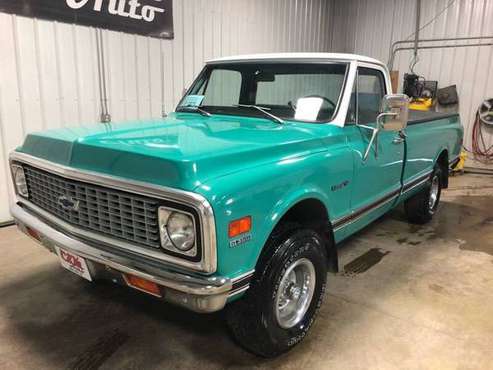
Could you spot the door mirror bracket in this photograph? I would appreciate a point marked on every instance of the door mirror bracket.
(394, 112)
(374, 134)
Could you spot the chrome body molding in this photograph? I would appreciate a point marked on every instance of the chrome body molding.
(454, 159)
(197, 293)
(416, 182)
(453, 162)
(241, 283)
(361, 212)
(208, 264)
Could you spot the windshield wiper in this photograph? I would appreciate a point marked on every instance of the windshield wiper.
(263, 110)
(194, 108)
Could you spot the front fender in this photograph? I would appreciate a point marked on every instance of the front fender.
(266, 193)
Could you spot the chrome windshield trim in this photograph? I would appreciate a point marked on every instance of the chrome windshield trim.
(208, 263)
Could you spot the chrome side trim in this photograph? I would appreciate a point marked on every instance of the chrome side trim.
(359, 213)
(238, 291)
(196, 201)
(241, 283)
(415, 186)
(416, 182)
(454, 159)
(242, 276)
(363, 211)
(453, 162)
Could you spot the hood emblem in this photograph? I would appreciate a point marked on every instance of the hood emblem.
(68, 204)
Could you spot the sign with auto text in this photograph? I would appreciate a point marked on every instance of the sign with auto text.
(143, 17)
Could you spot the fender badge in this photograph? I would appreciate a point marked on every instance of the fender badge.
(239, 241)
(339, 186)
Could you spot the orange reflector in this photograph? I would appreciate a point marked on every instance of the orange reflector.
(240, 226)
(33, 233)
(142, 284)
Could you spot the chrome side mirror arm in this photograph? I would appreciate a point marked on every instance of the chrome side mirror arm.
(385, 114)
(375, 131)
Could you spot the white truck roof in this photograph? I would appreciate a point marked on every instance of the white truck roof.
(299, 57)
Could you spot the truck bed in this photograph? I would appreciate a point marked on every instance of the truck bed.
(417, 116)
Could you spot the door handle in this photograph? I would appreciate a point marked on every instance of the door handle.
(398, 140)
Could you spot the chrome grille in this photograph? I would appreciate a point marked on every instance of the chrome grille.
(115, 213)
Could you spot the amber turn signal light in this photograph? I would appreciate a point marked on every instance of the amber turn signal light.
(240, 226)
(142, 284)
(33, 233)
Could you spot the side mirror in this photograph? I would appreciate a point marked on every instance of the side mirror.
(395, 112)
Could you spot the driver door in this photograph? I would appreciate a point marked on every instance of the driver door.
(377, 180)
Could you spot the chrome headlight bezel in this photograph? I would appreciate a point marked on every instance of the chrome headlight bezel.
(164, 215)
(19, 180)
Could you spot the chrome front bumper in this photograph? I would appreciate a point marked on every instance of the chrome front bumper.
(200, 294)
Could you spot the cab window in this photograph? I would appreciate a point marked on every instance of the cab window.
(371, 90)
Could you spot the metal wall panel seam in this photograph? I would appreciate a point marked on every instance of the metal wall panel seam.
(19, 74)
(42, 92)
(77, 74)
(149, 74)
(59, 74)
(161, 72)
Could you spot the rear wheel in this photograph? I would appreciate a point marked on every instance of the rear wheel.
(421, 207)
(285, 294)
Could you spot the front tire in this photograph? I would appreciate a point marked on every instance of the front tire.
(280, 306)
(421, 207)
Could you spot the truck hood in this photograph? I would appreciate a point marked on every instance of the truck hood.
(182, 151)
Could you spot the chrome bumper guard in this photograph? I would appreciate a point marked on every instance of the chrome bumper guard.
(199, 294)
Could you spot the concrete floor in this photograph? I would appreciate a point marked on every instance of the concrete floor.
(410, 297)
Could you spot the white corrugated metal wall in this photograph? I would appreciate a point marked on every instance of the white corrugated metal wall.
(370, 26)
(49, 75)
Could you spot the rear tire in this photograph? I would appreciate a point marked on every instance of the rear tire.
(280, 306)
(421, 207)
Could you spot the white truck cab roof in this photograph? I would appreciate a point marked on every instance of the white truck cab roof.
(295, 57)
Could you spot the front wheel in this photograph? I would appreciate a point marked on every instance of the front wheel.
(421, 207)
(286, 292)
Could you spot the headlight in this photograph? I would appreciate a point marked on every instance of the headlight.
(181, 231)
(20, 180)
(177, 231)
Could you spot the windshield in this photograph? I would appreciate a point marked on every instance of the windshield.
(302, 92)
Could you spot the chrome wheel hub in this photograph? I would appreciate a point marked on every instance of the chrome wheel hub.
(435, 182)
(295, 293)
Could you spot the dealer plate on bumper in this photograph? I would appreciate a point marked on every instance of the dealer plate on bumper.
(74, 263)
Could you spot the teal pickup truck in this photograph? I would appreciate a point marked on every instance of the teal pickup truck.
(239, 197)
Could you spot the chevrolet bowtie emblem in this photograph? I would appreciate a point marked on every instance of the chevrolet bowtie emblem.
(67, 203)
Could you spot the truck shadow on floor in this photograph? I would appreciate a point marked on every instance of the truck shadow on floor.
(70, 323)
(76, 324)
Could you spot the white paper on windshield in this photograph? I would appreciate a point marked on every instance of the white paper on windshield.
(307, 108)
